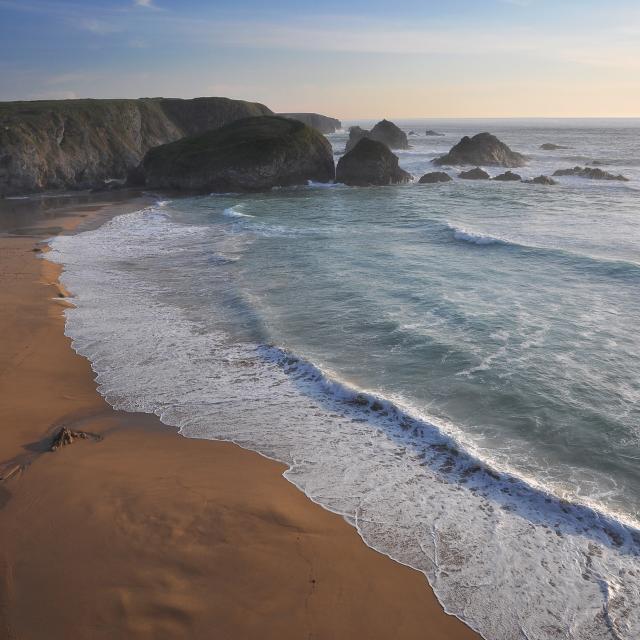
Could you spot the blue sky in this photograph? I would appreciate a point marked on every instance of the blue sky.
(348, 59)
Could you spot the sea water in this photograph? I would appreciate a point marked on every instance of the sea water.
(454, 368)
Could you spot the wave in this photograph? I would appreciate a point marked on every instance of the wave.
(473, 237)
(232, 212)
(502, 551)
(603, 266)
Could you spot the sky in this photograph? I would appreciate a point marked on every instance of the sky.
(348, 59)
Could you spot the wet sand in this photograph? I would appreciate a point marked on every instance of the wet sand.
(141, 533)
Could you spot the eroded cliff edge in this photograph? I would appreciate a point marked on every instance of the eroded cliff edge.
(82, 144)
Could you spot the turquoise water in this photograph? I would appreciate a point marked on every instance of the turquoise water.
(455, 368)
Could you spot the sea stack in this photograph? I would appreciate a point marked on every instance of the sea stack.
(370, 163)
(254, 154)
(482, 149)
(384, 131)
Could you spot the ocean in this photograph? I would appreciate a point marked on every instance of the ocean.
(454, 368)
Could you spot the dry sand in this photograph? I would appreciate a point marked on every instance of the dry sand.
(146, 534)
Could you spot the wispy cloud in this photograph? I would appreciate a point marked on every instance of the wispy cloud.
(149, 4)
(99, 27)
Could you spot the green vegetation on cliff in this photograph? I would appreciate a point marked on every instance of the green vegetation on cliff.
(252, 154)
(78, 144)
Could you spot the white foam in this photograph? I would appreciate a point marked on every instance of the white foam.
(474, 237)
(505, 556)
(234, 212)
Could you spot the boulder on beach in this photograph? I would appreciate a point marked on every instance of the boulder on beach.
(474, 174)
(591, 173)
(482, 149)
(546, 180)
(435, 176)
(431, 132)
(385, 132)
(370, 163)
(549, 146)
(253, 154)
(508, 176)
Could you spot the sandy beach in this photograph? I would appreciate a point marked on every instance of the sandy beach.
(141, 533)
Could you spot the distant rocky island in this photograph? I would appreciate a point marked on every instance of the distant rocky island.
(324, 124)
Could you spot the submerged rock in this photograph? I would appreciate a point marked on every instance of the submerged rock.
(483, 149)
(431, 132)
(385, 132)
(546, 180)
(254, 154)
(435, 176)
(549, 146)
(508, 176)
(474, 174)
(370, 163)
(591, 173)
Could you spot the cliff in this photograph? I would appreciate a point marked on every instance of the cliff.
(324, 124)
(80, 144)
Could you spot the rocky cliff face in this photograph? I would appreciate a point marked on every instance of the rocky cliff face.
(324, 124)
(252, 154)
(80, 144)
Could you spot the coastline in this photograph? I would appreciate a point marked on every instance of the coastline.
(146, 534)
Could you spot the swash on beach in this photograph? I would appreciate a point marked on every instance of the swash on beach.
(454, 368)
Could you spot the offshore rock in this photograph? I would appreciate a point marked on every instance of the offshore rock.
(254, 154)
(482, 149)
(370, 163)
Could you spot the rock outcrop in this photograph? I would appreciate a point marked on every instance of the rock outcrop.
(355, 135)
(545, 180)
(370, 162)
(384, 131)
(482, 149)
(508, 176)
(324, 124)
(549, 146)
(66, 437)
(591, 173)
(474, 174)
(81, 144)
(432, 133)
(253, 154)
(435, 176)
(389, 133)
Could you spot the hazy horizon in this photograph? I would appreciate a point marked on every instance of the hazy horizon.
(359, 60)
